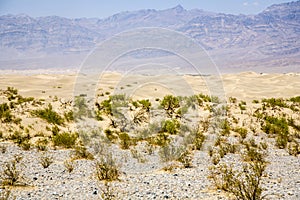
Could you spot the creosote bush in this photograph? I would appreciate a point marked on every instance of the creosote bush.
(171, 105)
(49, 115)
(243, 182)
(170, 126)
(66, 140)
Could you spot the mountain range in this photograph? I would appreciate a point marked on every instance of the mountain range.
(268, 40)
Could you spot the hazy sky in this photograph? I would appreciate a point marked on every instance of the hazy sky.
(105, 8)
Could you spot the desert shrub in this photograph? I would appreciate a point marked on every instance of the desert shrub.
(242, 105)
(279, 128)
(186, 158)
(225, 127)
(46, 160)
(170, 153)
(176, 153)
(69, 116)
(12, 173)
(295, 99)
(141, 115)
(241, 131)
(255, 101)
(3, 148)
(215, 99)
(5, 113)
(24, 99)
(243, 184)
(161, 139)
(170, 126)
(49, 115)
(81, 152)
(137, 155)
(292, 123)
(65, 139)
(25, 145)
(205, 98)
(69, 165)
(108, 192)
(197, 139)
(125, 140)
(80, 108)
(232, 100)
(21, 140)
(107, 169)
(41, 144)
(170, 105)
(272, 102)
(293, 148)
(111, 135)
(55, 130)
(215, 159)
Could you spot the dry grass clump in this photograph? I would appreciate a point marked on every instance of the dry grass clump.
(107, 169)
(69, 165)
(46, 160)
(12, 173)
(81, 152)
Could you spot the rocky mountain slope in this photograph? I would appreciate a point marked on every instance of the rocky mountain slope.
(270, 38)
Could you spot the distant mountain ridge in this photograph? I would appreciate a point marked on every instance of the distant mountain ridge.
(270, 38)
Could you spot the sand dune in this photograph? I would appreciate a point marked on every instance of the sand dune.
(245, 86)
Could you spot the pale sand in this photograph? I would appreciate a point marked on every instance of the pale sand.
(244, 86)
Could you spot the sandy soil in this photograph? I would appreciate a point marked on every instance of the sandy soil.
(245, 86)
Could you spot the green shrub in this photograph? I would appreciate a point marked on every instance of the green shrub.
(232, 100)
(225, 128)
(5, 113)
(66, 140)
(170, 126)
(49, 115)
(272, 102)
(111, 135)
(170, 105)
(242, 105)
(295, 99)
(278, 127)
(198, 139)
(125, 140)
(69, 116)
(205, 98)
(241, 131)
